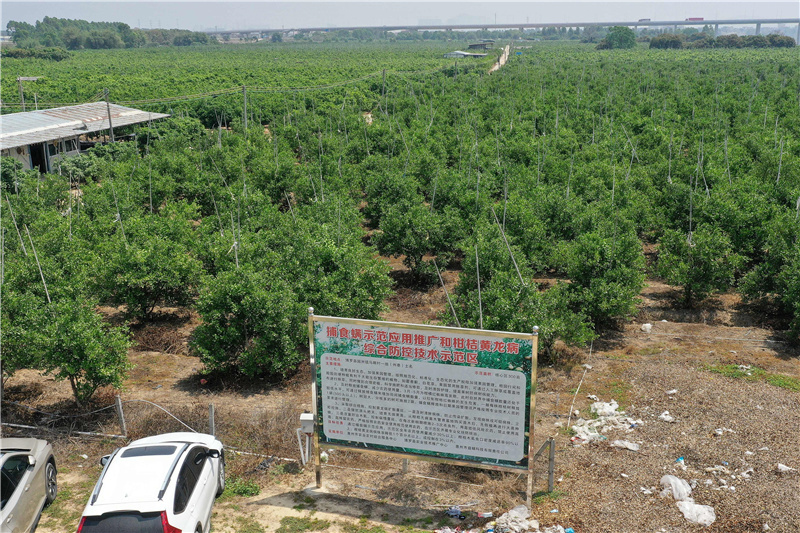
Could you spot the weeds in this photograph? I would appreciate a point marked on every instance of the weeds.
(293, 524)
(753, 373)
(236, 486)
(542, 496)
(248, 524)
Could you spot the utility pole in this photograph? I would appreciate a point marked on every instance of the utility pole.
(108, 110)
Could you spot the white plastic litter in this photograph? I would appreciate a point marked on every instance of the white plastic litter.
(676, 487)
(647, 328)
(720, 431)
(645, 490)
(748, 453)
(672, 391)
(666, 417)
(587, 366)
(593, 398)
(628, 445)
(699, 514)
(605, 408)
(515, 520)
(783, 469)
(747, 473)
(553, 529)
(608, 418)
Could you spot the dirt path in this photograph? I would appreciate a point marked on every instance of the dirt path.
(502, 60)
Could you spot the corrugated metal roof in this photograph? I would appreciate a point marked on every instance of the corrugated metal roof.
(22, 129)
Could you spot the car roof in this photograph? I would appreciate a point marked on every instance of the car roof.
(137, 478)
(185, 436)
(17, 444)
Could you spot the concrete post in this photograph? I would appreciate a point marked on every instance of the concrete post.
(716, 30)
(797, 38)
(758, 28)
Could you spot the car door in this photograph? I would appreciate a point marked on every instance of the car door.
(205, 490)
(192, 480)
(20, 502)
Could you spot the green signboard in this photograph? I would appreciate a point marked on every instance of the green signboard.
(430, 392)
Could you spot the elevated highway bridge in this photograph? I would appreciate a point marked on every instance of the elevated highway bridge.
(716, 23)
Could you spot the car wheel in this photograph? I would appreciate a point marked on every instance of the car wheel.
(51, 482)
(221, 477)
(198, 529)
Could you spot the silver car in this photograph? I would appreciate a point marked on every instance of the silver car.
(28, 472)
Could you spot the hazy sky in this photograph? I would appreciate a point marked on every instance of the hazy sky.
(273, 14)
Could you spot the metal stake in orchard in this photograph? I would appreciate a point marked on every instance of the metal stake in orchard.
(434, 393)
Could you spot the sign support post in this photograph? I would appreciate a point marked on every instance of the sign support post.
(312, 360)
(534, 364)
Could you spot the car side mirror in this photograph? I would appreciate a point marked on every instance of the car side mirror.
(214, 454)
(31, 460)
(104, 460)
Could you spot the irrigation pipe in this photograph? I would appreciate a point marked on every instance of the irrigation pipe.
(715, 338)
(170, 414)
(585, 369)
(55, 415)
(42, 428)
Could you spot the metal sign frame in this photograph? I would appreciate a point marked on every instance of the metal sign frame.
(533, 337)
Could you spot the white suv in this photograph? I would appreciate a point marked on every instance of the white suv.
(161, 484)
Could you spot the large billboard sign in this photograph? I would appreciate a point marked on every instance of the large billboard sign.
(430, 392)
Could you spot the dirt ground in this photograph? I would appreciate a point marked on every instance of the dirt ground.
(598, 488)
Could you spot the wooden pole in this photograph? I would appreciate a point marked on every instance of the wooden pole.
(244, 97)
(46, 292)
(108, 110)
(551, 465)
(212, 428)
(21, 95)
(121, 415)
(447, 294)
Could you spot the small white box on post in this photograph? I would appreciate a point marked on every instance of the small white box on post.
(307, 428)
(307, 423)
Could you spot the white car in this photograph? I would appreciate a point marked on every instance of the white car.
(28, 475)
(161, 484)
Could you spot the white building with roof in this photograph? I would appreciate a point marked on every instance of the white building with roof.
(40, 138)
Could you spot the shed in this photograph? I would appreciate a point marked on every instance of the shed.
(459, 53)
(479, 46)
(40, 138)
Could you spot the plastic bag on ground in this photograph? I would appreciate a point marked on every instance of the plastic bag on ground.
(515, 520)
(699, 514)
(628, 445)
(677, 487)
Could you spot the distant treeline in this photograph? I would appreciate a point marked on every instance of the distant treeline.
(671, 40)
(78, 34)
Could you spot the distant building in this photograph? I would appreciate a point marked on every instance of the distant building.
(458, 53)
(38, 139)
(479, 46)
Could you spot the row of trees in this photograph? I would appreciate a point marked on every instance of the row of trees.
(677, 41)
(74, 34)
(561, 170)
